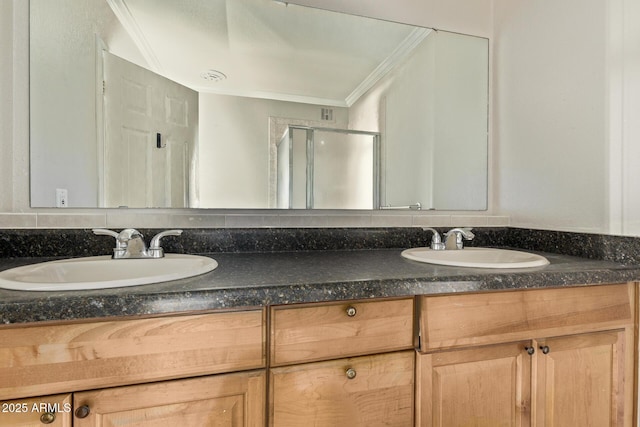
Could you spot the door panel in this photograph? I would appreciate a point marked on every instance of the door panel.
(231, 400)
(579, 380)
(481, 387)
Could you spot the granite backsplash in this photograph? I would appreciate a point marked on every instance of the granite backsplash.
(21, 243)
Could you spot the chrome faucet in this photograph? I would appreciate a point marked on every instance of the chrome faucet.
(130, 243)
(453, 238)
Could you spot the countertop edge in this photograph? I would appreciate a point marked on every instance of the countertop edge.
(80, 306)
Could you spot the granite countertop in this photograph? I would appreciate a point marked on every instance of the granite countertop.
(244, 280)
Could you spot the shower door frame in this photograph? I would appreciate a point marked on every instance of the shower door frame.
(310, 144)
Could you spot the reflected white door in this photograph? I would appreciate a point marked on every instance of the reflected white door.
(150, 138)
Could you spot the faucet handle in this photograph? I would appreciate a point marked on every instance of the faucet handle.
(457, 234)
(104, 232)
(462, 231)
(120, 246)
(436, 241)
(155, 250)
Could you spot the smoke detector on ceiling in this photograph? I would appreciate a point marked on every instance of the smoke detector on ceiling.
(213, 75)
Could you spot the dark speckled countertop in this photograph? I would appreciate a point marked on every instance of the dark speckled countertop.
(254, 279)
(258, 279)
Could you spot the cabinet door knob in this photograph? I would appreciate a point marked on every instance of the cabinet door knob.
(351, 311)
(83, 411)
(530, 350)
(545, 349)
(351, 373)
(47, 418)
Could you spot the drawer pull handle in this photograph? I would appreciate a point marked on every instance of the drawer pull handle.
(351, 373)
(351, 311)
(83, 411)
(47, 418)
(530, 350)
(545, 349)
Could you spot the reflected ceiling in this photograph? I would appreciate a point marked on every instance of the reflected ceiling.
(303, 55)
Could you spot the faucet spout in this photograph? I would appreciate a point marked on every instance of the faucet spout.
(133, 243)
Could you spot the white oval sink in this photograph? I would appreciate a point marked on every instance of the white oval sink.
(477, 257)
(102, 272)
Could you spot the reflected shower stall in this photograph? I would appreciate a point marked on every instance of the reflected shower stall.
(323, 168)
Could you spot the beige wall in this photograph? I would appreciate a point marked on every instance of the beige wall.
(566, 91)
(550, 117)
(624, 113)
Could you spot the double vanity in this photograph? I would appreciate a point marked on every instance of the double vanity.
(331, 327)
(151, 265)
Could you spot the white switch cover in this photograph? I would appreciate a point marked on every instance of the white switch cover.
(62, 198)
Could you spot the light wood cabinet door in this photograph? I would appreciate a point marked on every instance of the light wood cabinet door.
(477, 387)
(230, 400)
(580, 381)
(54, 411)
(366, 391)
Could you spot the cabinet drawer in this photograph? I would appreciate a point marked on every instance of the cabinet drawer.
(56, 358)
(333, 330)
(54, 411)
(357, 392)
(478, 319)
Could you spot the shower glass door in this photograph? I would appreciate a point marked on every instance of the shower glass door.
(322, 168)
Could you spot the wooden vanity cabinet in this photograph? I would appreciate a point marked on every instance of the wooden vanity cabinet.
(486, 386)
(57, 358)
(323, 331)
(342, 364)
(553, 357)
(191, 370)
(230, 400)
(365, 391)
(581, 380)
(573, 364)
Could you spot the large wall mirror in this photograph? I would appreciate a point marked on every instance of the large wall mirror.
(252, 104)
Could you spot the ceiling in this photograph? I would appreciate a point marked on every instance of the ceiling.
(266, 49)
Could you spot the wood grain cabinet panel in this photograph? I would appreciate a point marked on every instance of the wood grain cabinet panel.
(227, 400)
(581, 374)
(335, 330)
(60, 358)
(577, 380)
(580, 381)
(489, 318)
(53, 411)
(481, 387)
(368, 391)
